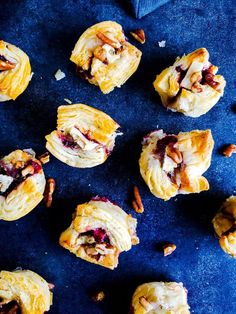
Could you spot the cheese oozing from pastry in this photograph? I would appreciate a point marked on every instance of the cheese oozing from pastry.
(99, 232)
(84, 138)
(224, 224)
(104, 57)
(190, 85)
(174, 164)
(22, 184)
(24, 292)
(160, 298)
(15, 71)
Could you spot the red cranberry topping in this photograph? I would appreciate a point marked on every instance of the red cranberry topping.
(103, 199)
(67, 140)
(37, 167)
(10, 308)
(208, 78)
(181, 72)
(99, 235)
(162, 144)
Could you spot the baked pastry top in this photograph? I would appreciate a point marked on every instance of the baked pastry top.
(174, 164)
(22, 184)
(190, 85)
(160, 298)
(24, 292)
(84, 138)
(99, 232)
(104, 57)
(224, 224)
(15, 71)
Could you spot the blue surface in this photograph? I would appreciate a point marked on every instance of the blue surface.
(47, 31)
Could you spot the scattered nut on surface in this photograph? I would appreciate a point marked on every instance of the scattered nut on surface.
(99, 296)
(51, 286)
(49, 190)
(139, 35)
(229, 150)
(137, 202)
(169, 249)
(44, 158)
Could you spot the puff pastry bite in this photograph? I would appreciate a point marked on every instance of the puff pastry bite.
(22, 183)
(160, 298)
(104, 57)
(84, 138)
(224, 224)
(24, 292)
(174, 164)
(99, 232)
(190, 85)
(15, 71)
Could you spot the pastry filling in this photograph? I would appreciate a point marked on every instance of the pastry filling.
(96, 243)
(12, 175)
(10, 308)
(6, 64)
(104, 54)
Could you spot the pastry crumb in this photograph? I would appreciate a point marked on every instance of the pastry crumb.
(137, 202)
(98, 296)
(169, 249)
(68, 101)
(229, 150)
(162, 43)
(59, 75)
(31, 75)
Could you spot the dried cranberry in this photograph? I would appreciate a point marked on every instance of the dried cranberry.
(162, 144)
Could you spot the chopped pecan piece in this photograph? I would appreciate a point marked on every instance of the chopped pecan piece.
(100, 54)
(107, 40)
(139, 35)
(174, 154)
(49, 190)
(44, 158)
(137, 202)
(169, 249)
(28, 170)
(98, 296)
(5, 64)
(229, 150)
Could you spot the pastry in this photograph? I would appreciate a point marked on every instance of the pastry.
(15, 71)
(84, 138)
(24, 292)
(190, 85)
(160, 298)
(174, 164)
(22, 184)
(104, 57)
(99, 232)
(224, 223)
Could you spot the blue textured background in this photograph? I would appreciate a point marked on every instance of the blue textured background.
(47, 30)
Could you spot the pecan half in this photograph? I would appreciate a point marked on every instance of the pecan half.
(137, 202)
(5, 64)
(139, 35)
(229, 150)
(107, 40)
(49, 190)
(169, 249)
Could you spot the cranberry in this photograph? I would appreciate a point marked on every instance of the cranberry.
(162, 144)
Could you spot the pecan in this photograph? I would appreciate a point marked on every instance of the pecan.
(49, 190)
(195, 77)
(137, 202)
(28, 170)
(229, 150)
(98, 296)
(44, 158)
(196, 87)
(51, 286)
(139, 35)
(107, 40)
(174, 154)
(169, 249)
(19, 164)
(100, 54)
(5, 64)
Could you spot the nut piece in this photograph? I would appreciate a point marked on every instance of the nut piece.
(139, 35)
(107, 40)
(5, 64)
(49, 190)
(137, 202)
(44, 158)
(51, 286)
(98, 296)
(174, 154)
(229, 150)
(28, 170)
(169, 249)
(100, 54)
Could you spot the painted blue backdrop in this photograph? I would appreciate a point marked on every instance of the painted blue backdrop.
(47, 30)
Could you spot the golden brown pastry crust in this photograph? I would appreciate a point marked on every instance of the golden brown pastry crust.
(99, 232)
(174, 164)
(191, 85)
(29, 291)
(15, 71)
(160, 298)
(224, 224)
(22, 184)
(85, 136)
(104, 57)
